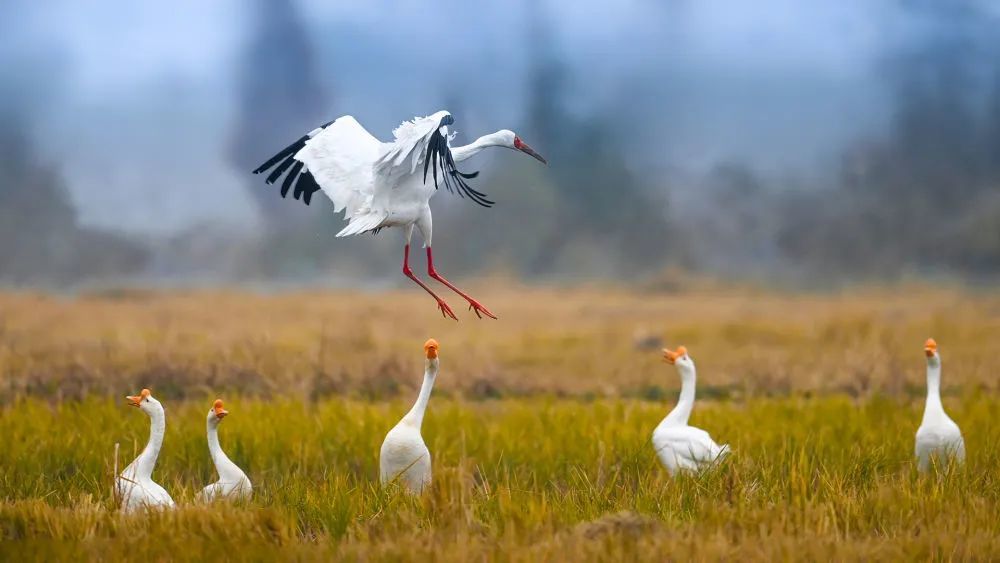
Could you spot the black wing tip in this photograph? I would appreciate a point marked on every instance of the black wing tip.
(453, 179)
(291, 177)
(289, 150)
(306, 186)
(305, 183)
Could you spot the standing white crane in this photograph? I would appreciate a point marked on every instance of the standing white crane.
(380, 185)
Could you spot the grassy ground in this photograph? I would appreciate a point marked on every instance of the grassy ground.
(539, 428)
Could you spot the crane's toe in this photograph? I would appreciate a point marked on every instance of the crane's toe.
(480, 308)
(446, 310)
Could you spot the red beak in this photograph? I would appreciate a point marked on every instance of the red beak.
(523, 147)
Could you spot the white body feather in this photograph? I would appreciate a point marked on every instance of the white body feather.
(939, 439)
(233, 483)
(681, 447)
(376, 184)
(135, 486)
(404, 457)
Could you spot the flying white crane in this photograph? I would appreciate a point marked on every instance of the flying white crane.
(380, 185)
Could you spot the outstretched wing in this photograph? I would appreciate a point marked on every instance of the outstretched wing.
(425, 139)
(336, 158)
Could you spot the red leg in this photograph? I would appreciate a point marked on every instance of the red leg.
(445, 309)
(473, 304)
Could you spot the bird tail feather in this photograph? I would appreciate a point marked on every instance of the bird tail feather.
(362, 224)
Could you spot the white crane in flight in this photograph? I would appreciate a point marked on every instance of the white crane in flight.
(380, 185)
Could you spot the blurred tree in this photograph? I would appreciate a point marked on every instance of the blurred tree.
(280, 97)
(730, 225)
(925, 197)
(41, 241)
(600, 202)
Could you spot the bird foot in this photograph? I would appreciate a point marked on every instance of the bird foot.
(446, 310)
(480, 308)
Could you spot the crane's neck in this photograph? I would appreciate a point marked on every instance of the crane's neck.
(226, 468)
(682, 412)
(933, 408)
(472, 149)
(416, 415)
(146, 461)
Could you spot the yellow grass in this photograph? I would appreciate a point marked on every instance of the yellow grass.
(565, 342)
(539, 425)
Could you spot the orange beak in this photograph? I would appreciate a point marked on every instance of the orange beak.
(136, 400)
(431, 349)
(670, 356)
(219, 411)
(930, 347)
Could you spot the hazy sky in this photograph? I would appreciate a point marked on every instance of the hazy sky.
(138, 101)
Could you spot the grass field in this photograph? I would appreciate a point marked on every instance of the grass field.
(539, 426)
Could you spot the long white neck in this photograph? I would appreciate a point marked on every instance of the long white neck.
(146, 461)
(933, 408)
(223, 465)
(473, 148)
(682, 412)
(416, 415)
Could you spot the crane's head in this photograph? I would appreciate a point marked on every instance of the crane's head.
(217, 412)
(512, 141)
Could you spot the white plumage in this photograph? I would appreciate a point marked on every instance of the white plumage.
(939, 439)
(135, 486)
(340, 158)
(233, 483)
(379, 185)
(404, 457)
(681, 447)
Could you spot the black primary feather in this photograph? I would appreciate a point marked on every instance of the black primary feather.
(306, 187)
(292, 174)
(287, 151)
(277, 172)
(305, 183)
(439, 154)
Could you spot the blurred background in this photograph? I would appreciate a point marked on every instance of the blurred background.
(812, 144)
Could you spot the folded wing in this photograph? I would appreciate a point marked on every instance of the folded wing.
(688, 448)
(424, 141)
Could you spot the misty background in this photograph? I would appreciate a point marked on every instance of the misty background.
(809, 143)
